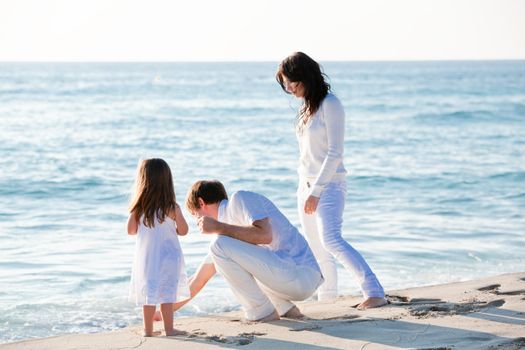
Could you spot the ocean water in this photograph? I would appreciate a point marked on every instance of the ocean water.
(435, 153)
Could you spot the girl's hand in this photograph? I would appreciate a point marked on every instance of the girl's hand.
(310, 206)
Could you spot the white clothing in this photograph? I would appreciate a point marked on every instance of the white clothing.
(159, 274)
(260, 279)
(323, 232)
(321, 144)
(245, 207)
(264, 277)
(322, 174)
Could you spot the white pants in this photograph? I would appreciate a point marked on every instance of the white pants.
(323, 233)
(261, 280)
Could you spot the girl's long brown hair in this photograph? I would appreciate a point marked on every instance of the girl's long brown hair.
(299, 67)
(154, 194)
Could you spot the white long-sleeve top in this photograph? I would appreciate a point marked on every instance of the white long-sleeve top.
(321, 145)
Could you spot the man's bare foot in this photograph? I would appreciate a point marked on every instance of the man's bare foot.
(274, 316)
(371, 303)
(157, 316)
(175, 332)
(294, 312)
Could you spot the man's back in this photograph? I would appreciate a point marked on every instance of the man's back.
(245, 207)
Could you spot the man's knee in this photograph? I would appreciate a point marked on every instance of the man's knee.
(219, 247)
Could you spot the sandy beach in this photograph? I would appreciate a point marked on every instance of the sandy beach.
(486, 314)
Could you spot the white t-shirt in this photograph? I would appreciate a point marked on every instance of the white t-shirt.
(321, 144)
(244, 207)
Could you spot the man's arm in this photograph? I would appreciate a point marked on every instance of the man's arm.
(260, 232)
(197, 282)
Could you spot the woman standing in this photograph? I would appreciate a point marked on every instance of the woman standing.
(322, 184)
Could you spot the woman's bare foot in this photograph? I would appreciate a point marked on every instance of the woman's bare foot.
(175, 332)
(371, 303)
(274, 316)
(157, 316)
(294, 312)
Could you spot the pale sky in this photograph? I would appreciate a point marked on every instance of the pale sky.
(260, 30)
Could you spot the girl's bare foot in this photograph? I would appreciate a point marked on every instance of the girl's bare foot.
(175, 332)
(294, 312)
(152, 334)
(371, 303)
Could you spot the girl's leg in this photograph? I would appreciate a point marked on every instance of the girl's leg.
(147, 312)
(167, 316)
(329, 222)
(326, 261)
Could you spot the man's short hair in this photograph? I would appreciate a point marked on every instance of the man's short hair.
(211, 191)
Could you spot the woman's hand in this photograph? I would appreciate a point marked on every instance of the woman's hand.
(310, 206)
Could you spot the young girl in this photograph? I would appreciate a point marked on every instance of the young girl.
(322, 184)
(158, 275)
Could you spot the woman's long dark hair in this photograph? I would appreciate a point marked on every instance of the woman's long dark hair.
(154, 193)
(299, 67)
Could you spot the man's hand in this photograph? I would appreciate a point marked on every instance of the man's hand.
(208, 225)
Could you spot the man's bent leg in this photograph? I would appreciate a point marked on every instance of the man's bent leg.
(281, 279)
(255, 303)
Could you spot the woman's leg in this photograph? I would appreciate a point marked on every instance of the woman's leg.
(326, 261)
(329, 216)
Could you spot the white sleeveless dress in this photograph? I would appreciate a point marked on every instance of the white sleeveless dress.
(159, 273)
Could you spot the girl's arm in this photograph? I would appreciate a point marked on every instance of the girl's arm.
(182, 225)
(133, 224)
(197, 282)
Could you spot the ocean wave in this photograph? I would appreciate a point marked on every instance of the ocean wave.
(22, 265)
(509, 176)
(459, 116)
(38, 189)
(89, 283)
(515, 196)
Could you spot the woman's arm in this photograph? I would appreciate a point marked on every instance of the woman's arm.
(334, 118)
(133, 224)
(197, 282)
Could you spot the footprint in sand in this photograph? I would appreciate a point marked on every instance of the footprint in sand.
(240, 339)
(512, 292)
(490, 288)
(449, 309)
(401, 300)
(494, 289)
(396, 299)
(513, 344)
(341, 318)
(307, 328)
